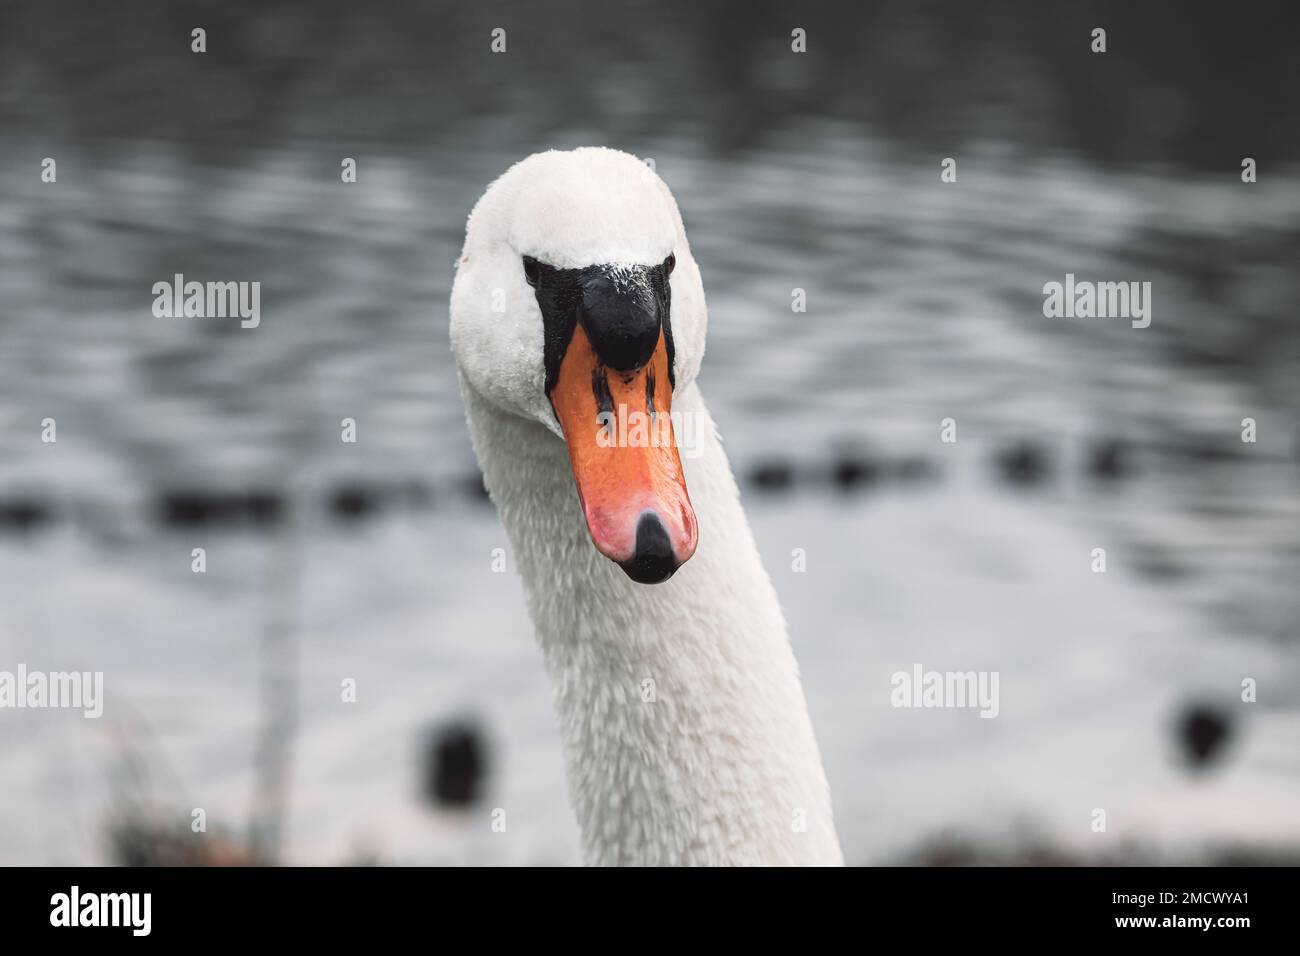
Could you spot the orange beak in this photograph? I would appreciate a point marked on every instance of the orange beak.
(625, 462)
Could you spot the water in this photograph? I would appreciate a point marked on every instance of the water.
(924, 302)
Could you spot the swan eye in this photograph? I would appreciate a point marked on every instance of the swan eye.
(668, 265)
(532, 271)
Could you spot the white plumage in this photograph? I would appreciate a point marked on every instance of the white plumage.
(721, 766)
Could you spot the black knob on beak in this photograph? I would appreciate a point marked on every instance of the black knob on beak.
(619, 311)
(653, 561)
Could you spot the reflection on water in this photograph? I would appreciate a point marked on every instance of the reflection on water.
(924, 302)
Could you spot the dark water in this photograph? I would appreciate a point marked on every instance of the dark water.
(372, 561)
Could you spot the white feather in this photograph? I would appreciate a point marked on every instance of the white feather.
(721, 767)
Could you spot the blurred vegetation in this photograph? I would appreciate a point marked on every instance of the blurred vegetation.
(953, 849)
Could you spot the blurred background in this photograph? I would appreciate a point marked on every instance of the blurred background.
(372, 561)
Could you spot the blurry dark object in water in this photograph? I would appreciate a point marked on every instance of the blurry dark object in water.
(950, 849)
(418, 494)
(1023, 464)
(1202, 732)
(23, 515)
(851, 473)
(1159, 564)
(1210, 451)
(914, 471)
(476, 489)
(771, 476)
(264, 507)
(1028, 849)
(1109, 460)
(197, 509)
(456, 765)
(355, 500)
(352, 502)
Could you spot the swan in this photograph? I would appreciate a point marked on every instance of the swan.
(686, 735)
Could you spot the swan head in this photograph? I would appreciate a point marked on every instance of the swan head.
(577, 305)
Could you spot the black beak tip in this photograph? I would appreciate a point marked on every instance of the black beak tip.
(653, 562)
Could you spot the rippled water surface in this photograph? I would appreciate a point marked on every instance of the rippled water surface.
(923, 302)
